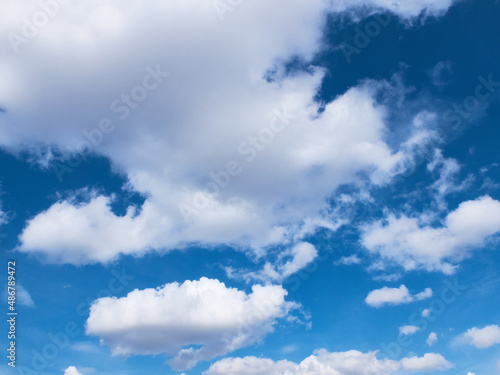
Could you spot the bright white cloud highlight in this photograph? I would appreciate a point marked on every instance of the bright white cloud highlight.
(190, 322)
(408, 330)
(395, 296)
(207, 180)
(71, 370)
(413, 244)
(429, 362)
(431, 339)
(323, 362)
(483, 337)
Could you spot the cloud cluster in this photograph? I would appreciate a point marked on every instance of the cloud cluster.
(323, 362)
(395, 296)
(414, 244)
(226, 147)
(190, 322)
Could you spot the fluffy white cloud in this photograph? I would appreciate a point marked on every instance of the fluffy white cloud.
(426, 313)
(322, 362)
(408, 330)
(429, 362)
(395, 296)
(191, 322)
(483, 337)
(178, 137)
(431, 339)
(413, 244)
(71, 370)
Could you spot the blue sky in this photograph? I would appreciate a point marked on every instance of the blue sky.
(217, 187)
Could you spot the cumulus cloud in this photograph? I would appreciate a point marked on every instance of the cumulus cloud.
(323, 362)
(408, 330)
(224, 145)
(483, 337)
(71, 370)
(431, 339)
(429, 362)
(413, 244)
(395, 296)
(190, 322)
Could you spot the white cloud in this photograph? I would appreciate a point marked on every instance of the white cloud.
(471, 373)
(350, 260)
(23, 297)
(395, 296)
(408, 330)
(166, 148)
(483, 337)
(289, 262)
(191, 322)
(426, 313)
(432, 339)
(429, 362)
(449, 170)
(323, 362)
(71, 370)
(415, 245)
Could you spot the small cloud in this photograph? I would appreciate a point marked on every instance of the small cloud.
(408, 330)
(348, 261)
(289, 348)
(395, 296)
(23, 297)
(71, 370)
(483, 337)
(432, 339)
(426, 313)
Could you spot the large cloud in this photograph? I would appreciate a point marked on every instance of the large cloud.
(322, 362)
(172, 134)
(483, 337)
(413, 244)
(191, 322)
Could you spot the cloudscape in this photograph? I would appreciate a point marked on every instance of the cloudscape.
(250, 187)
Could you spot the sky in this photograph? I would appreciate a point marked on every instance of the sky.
(250, 187)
